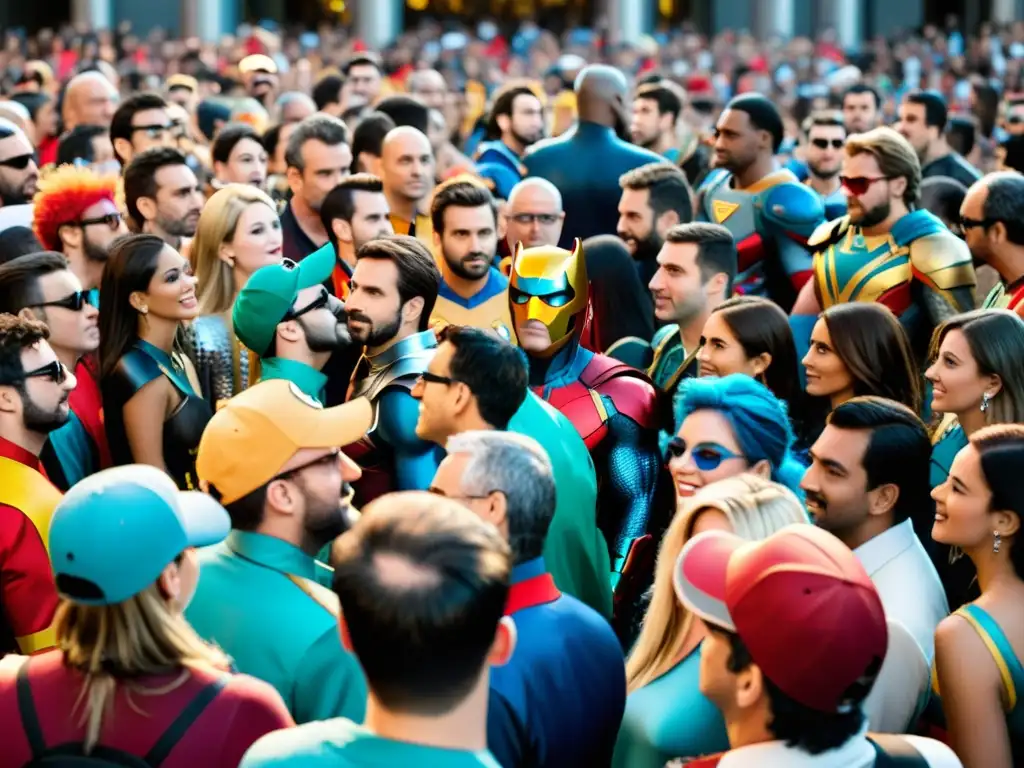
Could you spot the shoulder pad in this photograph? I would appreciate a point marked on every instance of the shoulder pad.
(945, 259)
(794, 207)
(829, 232)
(633, 395)
(713, 178)
(663, 335)
(136, 369)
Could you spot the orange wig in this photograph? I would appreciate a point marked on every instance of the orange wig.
(63, 195)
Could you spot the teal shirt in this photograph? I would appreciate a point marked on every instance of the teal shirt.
(245, 589)
(341, 743)
(308, 379)
(944, 450)
(575, 550)
(669, 718)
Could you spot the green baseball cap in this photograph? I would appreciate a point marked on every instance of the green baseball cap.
(270, 293)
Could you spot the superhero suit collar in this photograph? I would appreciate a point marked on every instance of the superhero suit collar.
(418, 342)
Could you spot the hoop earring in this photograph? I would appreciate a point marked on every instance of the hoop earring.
(985, 400)
(995, 542)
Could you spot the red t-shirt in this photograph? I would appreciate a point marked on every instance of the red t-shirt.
(87, 403)
(243, 711)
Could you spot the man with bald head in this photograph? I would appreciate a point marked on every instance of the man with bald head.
(585, 165)
(429, 86)
(90, 99)
(407, 170)
(19, 174)
(990, 215)
(533, 214)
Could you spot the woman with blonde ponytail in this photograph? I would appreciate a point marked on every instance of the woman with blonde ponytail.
(130, 682)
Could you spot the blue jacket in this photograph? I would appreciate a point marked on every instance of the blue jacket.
(559, 701)
(586, 166)
(496, 162)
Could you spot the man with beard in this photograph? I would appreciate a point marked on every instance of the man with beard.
(656, 110)
(768, 211)
(990, 215)
(34, 391)
(162, 196)
(40, 286)
(407, 170)
(288, 317)
(516, 123)
(272, 457)
(19, 173)
(655, 198)
(318, 159)
(473, 292)
(586, 163)
(394, 288)
(76, 215)
(885, 250)
(824, 139)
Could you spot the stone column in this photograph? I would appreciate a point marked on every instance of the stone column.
(1005, 11)
(628, 20)
(205, 19)
(847, 18)
(774, 17)
(97, 14)
(378, 22)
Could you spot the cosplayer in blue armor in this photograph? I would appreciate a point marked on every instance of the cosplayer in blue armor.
(768, 211)
(612, 406)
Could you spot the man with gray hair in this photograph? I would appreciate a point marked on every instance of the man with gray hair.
(560, 699)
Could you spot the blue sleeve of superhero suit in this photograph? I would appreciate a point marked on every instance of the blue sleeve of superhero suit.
(504, 178)
(416, 460)
(792, 212)
(507, 738)
(633, 464)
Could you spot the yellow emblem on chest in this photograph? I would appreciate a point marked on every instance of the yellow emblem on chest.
(723, 210)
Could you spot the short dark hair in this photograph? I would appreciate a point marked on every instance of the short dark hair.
(365, 59)
(962, 133)
(459, 193)
(1004, 203)
(76, 144)
(327, 91)
(504, 100)
(323, 128)
(340, 202)
(418, 275)
(17, 334)
(18, 241)
(369, 135)
(31, 101)
(1001, 450)
(823, 117)
(246, 513)
(405, 110)
(422, 636)
(494, 370)
(664, 96)
(763, 114)
(859, 88)
(809, 730)
(936, 112)
(1013, 146)
(271, 137)
(716, 248)
(19, 279)
(899, 450)
(140, 177)
(228, 137)
(666, 185)
(943, 196)
(121, 123)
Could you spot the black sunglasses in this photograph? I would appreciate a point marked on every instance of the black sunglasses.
(433, 378)
(966, 223)
(53, 370)
(321, 301)
(74, 301)
(824, 143)
(18, 162)
(112, 220)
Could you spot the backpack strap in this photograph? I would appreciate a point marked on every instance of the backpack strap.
(895, 752)
(184, 721)
(27, 709)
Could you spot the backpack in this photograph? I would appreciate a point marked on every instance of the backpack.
(72, 755)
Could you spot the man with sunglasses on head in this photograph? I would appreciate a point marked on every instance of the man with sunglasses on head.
(286, 315)
(77, 216)
(825, 137)
(140, 123)
(39, 286)
(271, 456)
(886, 249)
(19, 172)
(34, 391)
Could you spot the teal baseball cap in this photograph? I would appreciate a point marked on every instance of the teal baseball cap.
(270, 292)
(114, 532)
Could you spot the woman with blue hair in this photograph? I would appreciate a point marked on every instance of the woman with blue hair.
(727, 426)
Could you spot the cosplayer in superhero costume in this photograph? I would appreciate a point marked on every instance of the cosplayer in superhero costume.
(612, 405)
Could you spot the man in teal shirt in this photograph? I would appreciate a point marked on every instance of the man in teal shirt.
(424, 583)
(286, 315)
(271, 456)
(478, 381)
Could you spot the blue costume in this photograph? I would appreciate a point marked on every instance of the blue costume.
(559, 700)
(586, 166)
(771, 221)
(500, 165)
(392, 457)
(488, 309)
(835, 205)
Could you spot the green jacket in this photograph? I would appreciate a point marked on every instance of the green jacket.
(267, 604)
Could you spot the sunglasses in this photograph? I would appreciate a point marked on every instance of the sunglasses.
(705, 456)
(321, 301)
(111, 220)
(859, 185)
(966, 223)
(54, 370)
(18, 162)
(825, 143)
(433, 378)
(74, 301)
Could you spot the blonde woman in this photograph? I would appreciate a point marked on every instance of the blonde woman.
(666, 714)
(129, 678)
(238, 233)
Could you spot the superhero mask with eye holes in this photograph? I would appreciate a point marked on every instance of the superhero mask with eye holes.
(549, 285)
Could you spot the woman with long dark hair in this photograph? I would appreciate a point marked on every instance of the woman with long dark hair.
(152, 411)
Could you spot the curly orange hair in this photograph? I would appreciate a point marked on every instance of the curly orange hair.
(63, 194)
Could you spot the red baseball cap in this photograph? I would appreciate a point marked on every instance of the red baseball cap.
(801, 602)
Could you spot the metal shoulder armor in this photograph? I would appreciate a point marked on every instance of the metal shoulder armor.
(828, 233)
(398, 366)
(944, 260)
(795, 209)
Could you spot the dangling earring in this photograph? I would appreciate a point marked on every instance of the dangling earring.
(955, 553)
(995, 542)
(985, 400)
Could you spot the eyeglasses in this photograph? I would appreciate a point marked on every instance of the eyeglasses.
(858, 185)
(825, 143)
(529, 218)
(324, 461)
(433, 378)
(966, 223)
(18, 162)
(53, 370)
(153, 131)
(705, 456)
(111, 220)
(74, 301)
(319, 302)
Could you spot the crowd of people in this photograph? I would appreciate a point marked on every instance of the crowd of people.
(621, 416)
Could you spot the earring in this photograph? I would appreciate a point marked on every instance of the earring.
(985, 400)
(144, 310)
(995, 542)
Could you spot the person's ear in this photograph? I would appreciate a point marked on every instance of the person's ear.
(760, 363)
(281, 496)
(342, 230)
(226, 253)
(1006, 523)
(665, 222)
(504, 644)
(290, 331)
(139, 302)
(882, 499)
(762, 469)
(169, 582)
(147, 207)
(497, 511)
(897, 187)
(412, 309)
(10, 400)
(123, 149)
(294, 178)
(70, 237)
(504, 123)
(749, 686)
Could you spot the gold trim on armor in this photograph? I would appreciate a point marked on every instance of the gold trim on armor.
(38, 641)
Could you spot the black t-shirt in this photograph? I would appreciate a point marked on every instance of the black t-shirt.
(954, 166)
(297, 244)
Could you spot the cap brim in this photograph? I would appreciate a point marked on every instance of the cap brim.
(700, 575)
(206, 522)
(342, 425)
(316, 268)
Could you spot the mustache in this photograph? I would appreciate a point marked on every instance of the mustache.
(817, 498)
(476, 255)
(356, 315)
